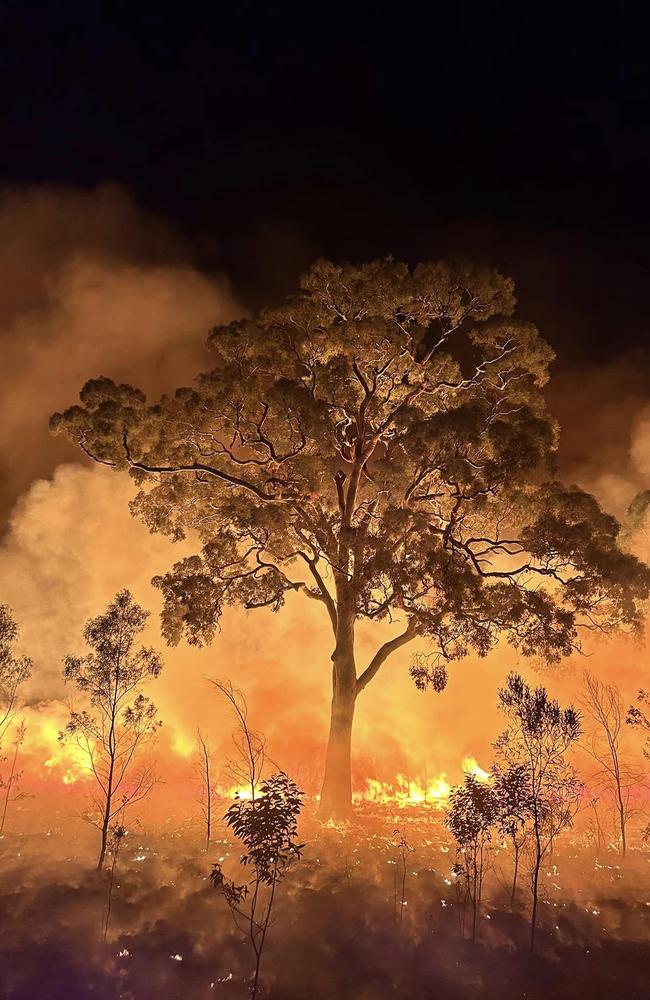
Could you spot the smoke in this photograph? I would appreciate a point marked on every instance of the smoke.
(603, 411)
(640, 448)
(71, 545)
(91, 285)
(334, 930)
(94, 285)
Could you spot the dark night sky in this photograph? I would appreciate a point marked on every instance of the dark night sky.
(275, 133)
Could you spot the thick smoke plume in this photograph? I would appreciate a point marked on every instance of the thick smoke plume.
(96, 286)
(91, 285)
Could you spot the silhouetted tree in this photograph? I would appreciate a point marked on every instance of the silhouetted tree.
(379, 445)
(513, 796)
(14, 672)
(206, 771)
(120, 721)
(267, 826)
(247, 766)
(10, 783)
(117, 834)
(472, 815)
(604, 706)
(639, 717)
(538, 737)
(404, 850)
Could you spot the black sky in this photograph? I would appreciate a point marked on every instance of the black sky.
(273, 133)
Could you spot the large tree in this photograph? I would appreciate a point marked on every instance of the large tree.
(380, 445)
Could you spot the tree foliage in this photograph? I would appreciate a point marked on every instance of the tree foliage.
(267, 827)
(119, 720)
(533, 749)
(471, 818)
(14, 670)
(380, 444)
(513, 793)
(638, 716)
(341, 433)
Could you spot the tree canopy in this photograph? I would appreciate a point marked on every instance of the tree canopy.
(14, 670)
(119, 720)
(385, 431)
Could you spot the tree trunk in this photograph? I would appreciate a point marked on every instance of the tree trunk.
(623, 836)
(9, 786)
(106, 818)
(621, 815)
(515, 874)
(535, 894)
(474, 905)
(102, 852)
(336, 794)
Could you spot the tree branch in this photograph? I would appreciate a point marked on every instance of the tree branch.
(382, 655)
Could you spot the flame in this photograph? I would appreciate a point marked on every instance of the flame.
(235, 792)
(183, 745)
(70, 777)
(472, 766)
(65, 761)
(406, 792)
(415, 792)
(68, 763)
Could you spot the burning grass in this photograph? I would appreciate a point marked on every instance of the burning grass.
(346, 924)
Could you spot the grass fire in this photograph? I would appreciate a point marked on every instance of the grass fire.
(318, 677)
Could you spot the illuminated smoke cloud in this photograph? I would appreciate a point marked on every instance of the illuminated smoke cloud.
(91, 285)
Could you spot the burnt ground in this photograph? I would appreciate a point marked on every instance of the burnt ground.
(337, 931)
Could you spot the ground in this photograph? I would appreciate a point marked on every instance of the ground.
(337, 931)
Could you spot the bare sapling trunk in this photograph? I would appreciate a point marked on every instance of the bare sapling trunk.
(622, 819)
(108, 804)
(537, 864)
(475, 898)
(604, 704)
(104, 831)
(208, 819)
(404, 849)
(515, 873)
(597, 827)
(620, 802)
(205, 773)
(535, 894)
(118, 833)
(12, 776)
(102, 850)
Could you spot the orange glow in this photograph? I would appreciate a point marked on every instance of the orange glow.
(472, 766)
(407, 792)
(418, 791)
(65, 762)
